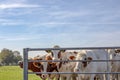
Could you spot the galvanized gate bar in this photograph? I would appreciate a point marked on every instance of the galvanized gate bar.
(25, 64)
(73, 73)
(77, 48)
(71, 60)
(108, 69)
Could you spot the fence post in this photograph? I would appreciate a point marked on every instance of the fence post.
(25, 64)
(108, 67)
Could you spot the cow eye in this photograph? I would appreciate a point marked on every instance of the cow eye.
(50, 65)
(85, 59)
(39, 65)
(114, 54)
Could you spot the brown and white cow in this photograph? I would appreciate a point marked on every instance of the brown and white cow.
(64, 66)
(46, 67)
(31, 67)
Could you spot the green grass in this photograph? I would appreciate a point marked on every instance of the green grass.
(14, 73)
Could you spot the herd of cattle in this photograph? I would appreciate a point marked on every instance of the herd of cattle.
(87, 64)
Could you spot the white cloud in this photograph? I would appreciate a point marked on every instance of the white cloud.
(69, 14)
(6, 22)
(9, 22)
(17, 38)
(16, 5)
(15, 1)
(68, 24)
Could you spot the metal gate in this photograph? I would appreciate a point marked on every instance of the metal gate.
(25, 60)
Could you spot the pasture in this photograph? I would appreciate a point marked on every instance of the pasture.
(14, 73)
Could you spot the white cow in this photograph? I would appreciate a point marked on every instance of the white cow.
(67, 66)
(115, 55)
(88, 66)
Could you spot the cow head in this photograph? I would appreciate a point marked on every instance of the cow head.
(41, 65)
(20, 63)
(56, 54)
(85, 60)
(113, 53)
(45, 66)
(115, 56)
(38, 64)
(30, 67)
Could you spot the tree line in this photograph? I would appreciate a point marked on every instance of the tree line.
(9, 57)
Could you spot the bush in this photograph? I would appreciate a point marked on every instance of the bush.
(1, 64)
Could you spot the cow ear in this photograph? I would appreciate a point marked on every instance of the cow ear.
(35, 64)
(48, 51)
(89, 59)
(72, 57)
(117, 51)
(48, 58)
(52, 64)
(75, 52)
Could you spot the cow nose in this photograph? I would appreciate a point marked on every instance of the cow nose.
(44, 76)
(20, 63)
(76, 70)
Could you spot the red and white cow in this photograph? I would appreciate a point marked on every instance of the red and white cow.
(31, 67)
(42, 67)
(92, 67)
(46, 67)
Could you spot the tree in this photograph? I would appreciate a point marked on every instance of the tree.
(0, 63)
(7, 57)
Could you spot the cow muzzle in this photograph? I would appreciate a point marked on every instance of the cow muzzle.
(44, 76)
(20, 63)
(76, 70)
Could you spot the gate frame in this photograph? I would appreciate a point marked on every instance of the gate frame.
(25, 59)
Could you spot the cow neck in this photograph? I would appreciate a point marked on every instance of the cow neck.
(58, 74)
(60, 65)
(64, 62)
(56, 69)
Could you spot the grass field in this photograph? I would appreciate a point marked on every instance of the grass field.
(14, 73)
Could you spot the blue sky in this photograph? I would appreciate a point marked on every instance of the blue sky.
(68, 23)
